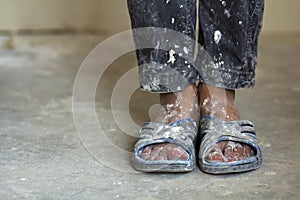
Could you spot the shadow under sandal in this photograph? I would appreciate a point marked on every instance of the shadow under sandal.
(182, 133)
(214, 130)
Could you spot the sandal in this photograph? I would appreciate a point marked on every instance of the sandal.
(214, 130)
(182, 133)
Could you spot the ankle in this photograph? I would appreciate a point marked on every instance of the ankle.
(179, 105)
(217, 102)
(225, 111)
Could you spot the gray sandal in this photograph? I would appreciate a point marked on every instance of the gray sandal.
(214, 130)
(182, 133)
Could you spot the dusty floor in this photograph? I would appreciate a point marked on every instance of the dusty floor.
(43, 157)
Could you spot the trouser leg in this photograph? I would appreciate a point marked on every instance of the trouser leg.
(229, 31)
(154, 63)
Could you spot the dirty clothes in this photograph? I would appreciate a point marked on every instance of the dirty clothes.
(228, 33)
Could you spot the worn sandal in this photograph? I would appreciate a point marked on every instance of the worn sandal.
(214, 130)
(182, 133)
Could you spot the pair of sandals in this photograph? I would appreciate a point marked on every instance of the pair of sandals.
(184, 134)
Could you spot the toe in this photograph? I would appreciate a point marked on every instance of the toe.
(238, 151)
(228, 149)
(155, 152)
(184, 156)
(176, 153)
(216, 153)
(248, 151)
(147, 152)
(233, 151)
(162, 154)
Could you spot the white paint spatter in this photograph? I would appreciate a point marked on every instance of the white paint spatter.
(185, 50)
(240, 23)
(224, 3)
(157, 45)
(169, 106)
(168, 1)
(172, 58)
(181, 6)
(227, 13)
(205, 102)
(173, 20)
(217, 36)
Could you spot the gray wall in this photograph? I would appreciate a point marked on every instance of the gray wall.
(112, 16)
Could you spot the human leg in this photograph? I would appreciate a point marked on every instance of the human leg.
(229, 34)
(162, 71)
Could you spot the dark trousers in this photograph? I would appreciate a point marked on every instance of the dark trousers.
(228, 35)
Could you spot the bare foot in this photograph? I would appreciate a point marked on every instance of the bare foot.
(175, 106)
(219, 103)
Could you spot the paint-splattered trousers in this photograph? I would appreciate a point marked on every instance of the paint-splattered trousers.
(223, 55)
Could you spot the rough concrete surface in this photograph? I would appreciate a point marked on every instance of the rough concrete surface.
(43, 157)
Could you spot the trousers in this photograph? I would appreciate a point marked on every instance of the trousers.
(216, 44)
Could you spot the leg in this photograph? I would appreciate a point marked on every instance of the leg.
(229, 33)
(161, 73)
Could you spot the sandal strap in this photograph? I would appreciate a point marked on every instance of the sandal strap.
(182, 132)
(213, 129)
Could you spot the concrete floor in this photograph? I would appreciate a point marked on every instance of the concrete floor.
(43, 157)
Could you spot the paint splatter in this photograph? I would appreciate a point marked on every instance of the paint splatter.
(217, 36)
(172, 58)
(227, 13)
(185, 49)
(173, 20)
